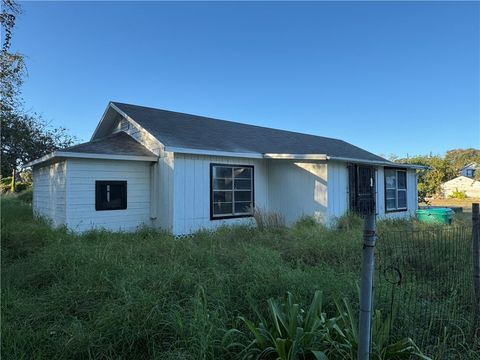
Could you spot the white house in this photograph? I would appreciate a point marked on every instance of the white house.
(182, 173)
(469, 186)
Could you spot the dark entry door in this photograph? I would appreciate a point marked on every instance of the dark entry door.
(362, 189)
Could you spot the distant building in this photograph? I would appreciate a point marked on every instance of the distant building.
(469, 170)
(470, 187)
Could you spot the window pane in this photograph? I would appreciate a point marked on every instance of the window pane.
(243, 207)
(222, 196)
(232, 190)
(391, 194)
(243, 173)
(110, 195)
(402, 199)
(391, 204)
(222, 184)
(402, 179)
(102, 196)
(243, 184)
(115, 192)
(222, 172)
(243, 196)
(390, 179)
(222, 208)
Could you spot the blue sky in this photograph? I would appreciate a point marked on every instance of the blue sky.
(390, 77)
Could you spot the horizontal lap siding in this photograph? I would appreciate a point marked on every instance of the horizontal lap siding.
(49, 192)
(191, 191)
(81, 213)
(298, 188)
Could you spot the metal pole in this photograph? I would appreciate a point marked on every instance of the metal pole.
(366, 288)
(476, 264)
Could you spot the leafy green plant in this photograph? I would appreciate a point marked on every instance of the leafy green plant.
(288, 333)
(292, 333)
(345, 337)
(458, 194)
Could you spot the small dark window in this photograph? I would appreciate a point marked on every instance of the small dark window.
(110, 195)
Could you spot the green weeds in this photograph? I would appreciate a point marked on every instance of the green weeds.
(147, 295)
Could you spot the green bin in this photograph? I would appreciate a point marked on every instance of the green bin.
(435, 215)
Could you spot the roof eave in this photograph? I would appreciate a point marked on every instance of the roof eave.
(295, 156)
(379, 162)
(193, 151)
(58, 155)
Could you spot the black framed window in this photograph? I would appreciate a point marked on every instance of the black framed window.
(231, 191)
(110, 195)
(395, 190)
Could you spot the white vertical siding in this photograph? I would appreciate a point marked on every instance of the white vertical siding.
(49, 192)
(337, 189)
(165, 193)
(81, 177)
(191, 191)
(338, 192)
(298, 188)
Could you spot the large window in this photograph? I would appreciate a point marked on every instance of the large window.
(395, 190)
(110, 195)
(231, 191)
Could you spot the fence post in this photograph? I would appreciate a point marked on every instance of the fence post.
(366, 288)
(476, 264)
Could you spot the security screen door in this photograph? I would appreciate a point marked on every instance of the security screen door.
(361, 187)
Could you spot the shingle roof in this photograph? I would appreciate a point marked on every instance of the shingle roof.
(181, 130)
(118, 143)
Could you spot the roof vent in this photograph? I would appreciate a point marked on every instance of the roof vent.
(124, 125)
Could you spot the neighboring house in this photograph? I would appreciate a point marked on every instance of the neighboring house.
(470, 187)
(182, 173)
(469, 170)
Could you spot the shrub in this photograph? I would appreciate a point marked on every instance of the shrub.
(21, 186)
(458, 194)
(5, 184)
(267, 220)
(349, 221)
(6, 180)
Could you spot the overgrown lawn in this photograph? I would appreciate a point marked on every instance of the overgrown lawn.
(147, 295)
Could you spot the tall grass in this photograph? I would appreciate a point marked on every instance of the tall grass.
(147, 295)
